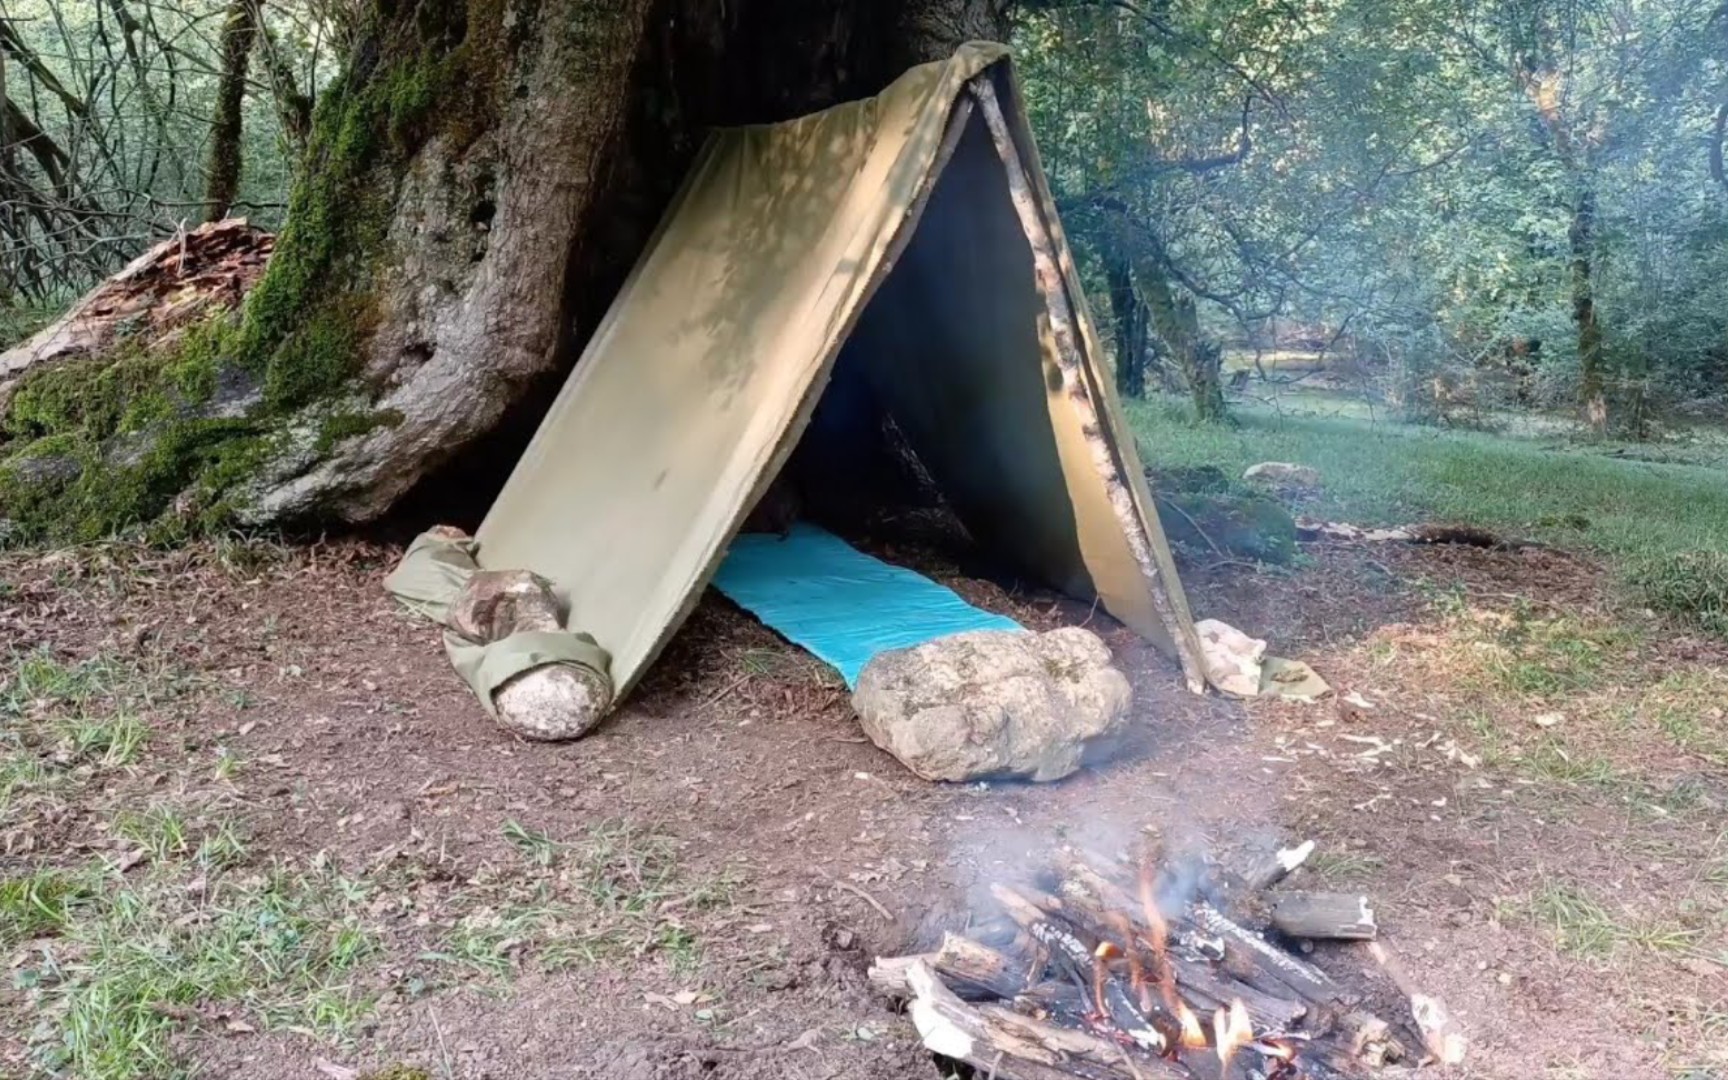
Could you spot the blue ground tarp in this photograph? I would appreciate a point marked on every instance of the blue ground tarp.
(844, 606)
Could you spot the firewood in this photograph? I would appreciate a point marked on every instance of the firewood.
(1262, 964)
(973, 971)
(1370, 1038)
(1274, 868)
(1205, 989)
(1324, 916)
(999, 1042)
(1442, 1034)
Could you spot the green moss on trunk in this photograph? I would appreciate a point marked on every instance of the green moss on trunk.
(137, 423)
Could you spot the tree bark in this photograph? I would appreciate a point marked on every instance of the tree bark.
(1176, 321)
(222, 185)
(477, 183)
(1592, 395)
(1129, 315)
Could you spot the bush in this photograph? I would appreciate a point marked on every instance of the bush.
(1690, 584)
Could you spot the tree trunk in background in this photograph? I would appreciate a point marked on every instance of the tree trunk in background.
(1176, 321)
(1129, 316)
(477, 184)
(222, 185)
(1592, 395)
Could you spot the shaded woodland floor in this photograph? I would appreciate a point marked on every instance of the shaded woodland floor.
(253, 825)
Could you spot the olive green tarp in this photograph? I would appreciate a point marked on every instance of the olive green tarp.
(915, 228)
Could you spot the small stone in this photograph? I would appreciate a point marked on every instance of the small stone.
(1233, 659)
(496, 603)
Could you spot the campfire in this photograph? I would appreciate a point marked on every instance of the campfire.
(1154, 969)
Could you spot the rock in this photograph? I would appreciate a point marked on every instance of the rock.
(1283, 474)
(1233, 659)
(46, 469)
(1239, 526)
(497, 603)
(554, 702)
(1292, 680)
(992, 703)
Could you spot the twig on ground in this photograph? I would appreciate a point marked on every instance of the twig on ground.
(860, 894)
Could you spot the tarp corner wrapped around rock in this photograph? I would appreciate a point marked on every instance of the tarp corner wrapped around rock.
(432, 574)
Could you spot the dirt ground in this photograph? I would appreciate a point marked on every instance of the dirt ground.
(1527, 777)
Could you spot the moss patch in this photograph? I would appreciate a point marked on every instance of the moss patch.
(344, 426)
(134, 423)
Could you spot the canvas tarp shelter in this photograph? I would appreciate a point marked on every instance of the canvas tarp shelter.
(914, 228)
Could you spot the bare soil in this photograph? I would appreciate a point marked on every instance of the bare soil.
(1431, 786)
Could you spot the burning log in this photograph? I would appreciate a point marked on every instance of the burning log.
(1111, 981)
(1324, 916)
(1262, 964)
(1000, 1042)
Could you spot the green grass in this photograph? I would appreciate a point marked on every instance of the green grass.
(616, 891)
(122, 964)
(1582, 926)
(1660, 522)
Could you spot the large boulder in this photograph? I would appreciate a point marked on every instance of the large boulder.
(993, 703)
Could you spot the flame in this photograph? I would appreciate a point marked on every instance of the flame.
(1232, 1030)
(1157, 929)
(1100, 955)
(1193, 1035)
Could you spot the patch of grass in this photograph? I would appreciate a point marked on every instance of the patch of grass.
(617, 891)
(109, 741)
(159, 830)
(1692, 585)
(127, 963)
(39, 679)
(1552, 760)
(537, 847)
(1581, 926)
(38, 904)
(1378, 472)
(1343, 867)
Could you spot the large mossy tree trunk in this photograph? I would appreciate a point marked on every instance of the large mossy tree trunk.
(477, 184)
